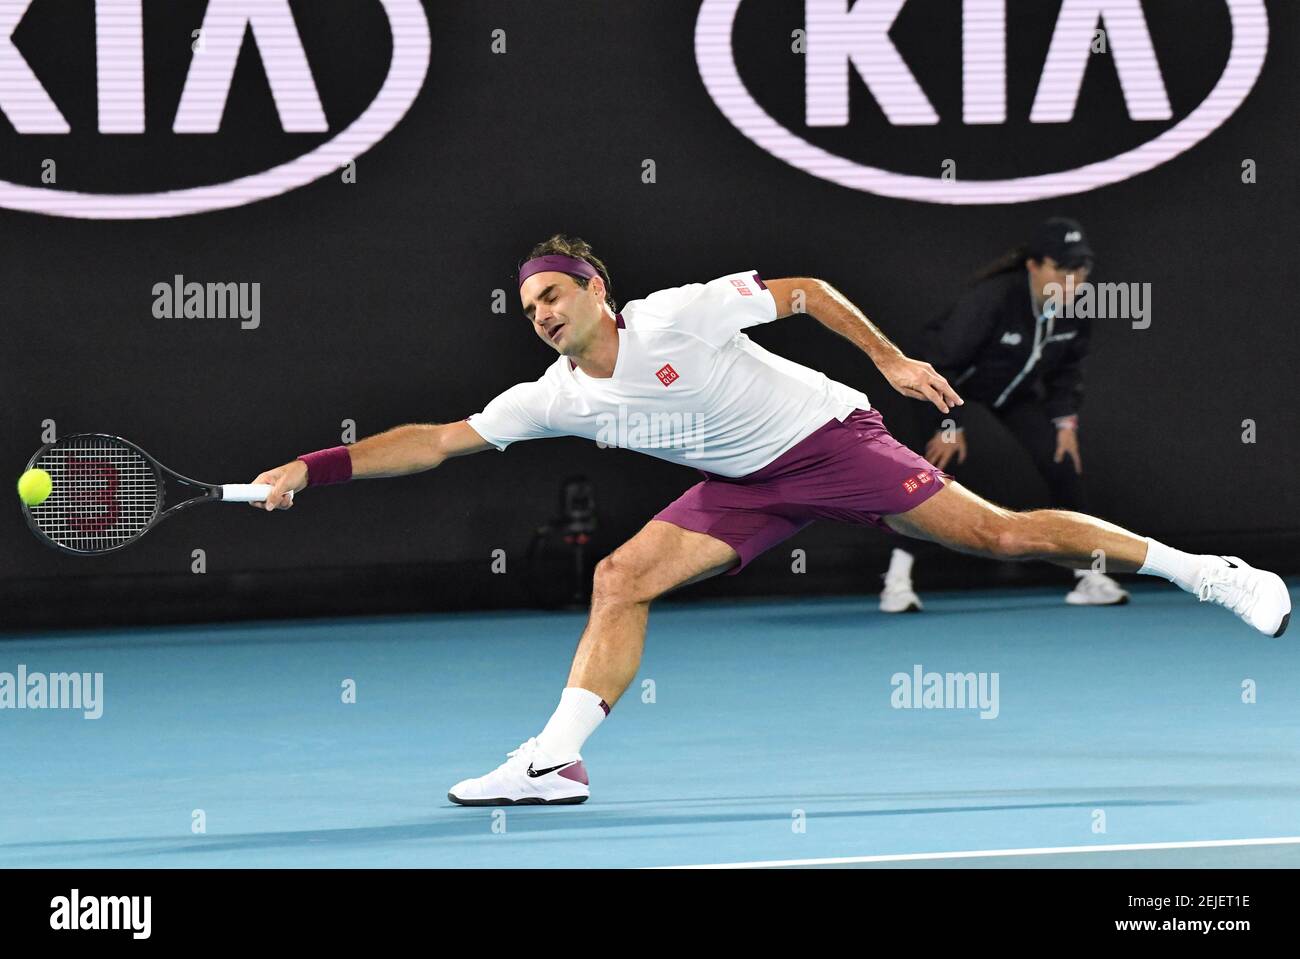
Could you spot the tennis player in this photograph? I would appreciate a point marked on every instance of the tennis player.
(780, 445)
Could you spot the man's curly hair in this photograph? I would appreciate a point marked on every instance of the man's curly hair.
(579, 249)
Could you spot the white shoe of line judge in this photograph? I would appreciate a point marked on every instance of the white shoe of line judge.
(898, 596)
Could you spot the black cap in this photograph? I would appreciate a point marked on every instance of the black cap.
(1062, 239)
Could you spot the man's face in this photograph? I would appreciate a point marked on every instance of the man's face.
(562, 313)
(1048, 271)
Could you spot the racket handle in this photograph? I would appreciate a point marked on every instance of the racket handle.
(247, 492)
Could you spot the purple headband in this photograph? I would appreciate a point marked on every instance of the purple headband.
(557, 263)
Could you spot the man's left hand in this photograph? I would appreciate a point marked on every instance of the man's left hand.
(919, 380)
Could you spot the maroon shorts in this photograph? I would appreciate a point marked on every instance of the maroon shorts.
(851, 471)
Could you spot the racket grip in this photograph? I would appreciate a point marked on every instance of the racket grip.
(247, 492)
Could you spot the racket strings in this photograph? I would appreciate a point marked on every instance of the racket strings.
(104, 494)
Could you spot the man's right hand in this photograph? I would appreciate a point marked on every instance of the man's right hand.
(940, 451)
(291, 476)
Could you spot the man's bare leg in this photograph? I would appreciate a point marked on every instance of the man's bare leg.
(548, 768)
(957, 518)
(658, 559)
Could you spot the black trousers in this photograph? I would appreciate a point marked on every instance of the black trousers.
(1028, 422)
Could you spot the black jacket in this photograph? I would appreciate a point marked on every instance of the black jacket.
(984, 347)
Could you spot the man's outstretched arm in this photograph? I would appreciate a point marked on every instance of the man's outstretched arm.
(913, 378)
(413, 448)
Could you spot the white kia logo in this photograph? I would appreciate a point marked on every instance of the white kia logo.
(121, 84)
(841, 36)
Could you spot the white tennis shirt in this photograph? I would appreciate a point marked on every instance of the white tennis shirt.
(688, 386)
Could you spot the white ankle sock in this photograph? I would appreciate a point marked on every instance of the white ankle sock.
(1174, 565)
(579, 713)
(900, 564)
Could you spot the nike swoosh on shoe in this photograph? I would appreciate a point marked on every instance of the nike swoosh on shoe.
(534, 773)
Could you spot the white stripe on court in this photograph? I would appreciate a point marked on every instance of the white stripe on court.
(990, 853)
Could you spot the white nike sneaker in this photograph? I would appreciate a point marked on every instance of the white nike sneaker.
(1259, 597)
(1096, 589)
(516, 783)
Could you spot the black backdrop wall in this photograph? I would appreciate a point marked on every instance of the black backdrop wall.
(377, 295)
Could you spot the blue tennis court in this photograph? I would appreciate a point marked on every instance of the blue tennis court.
(756, 732)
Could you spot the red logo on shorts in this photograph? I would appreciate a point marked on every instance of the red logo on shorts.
(742, 288)
(667, 375)
(914, 483)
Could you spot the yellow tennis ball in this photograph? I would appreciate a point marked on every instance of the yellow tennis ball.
(34, 486)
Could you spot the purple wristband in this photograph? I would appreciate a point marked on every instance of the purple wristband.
(327, 467)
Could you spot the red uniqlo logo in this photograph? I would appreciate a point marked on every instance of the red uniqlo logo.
(914, 483)
(667, 375)
(740, 285)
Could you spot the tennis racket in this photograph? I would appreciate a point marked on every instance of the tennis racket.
(107, 493)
